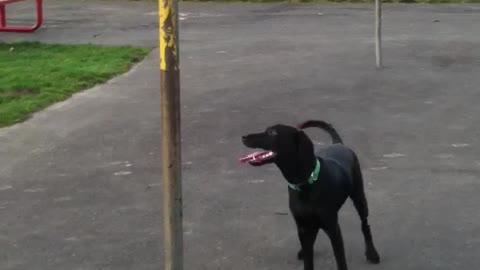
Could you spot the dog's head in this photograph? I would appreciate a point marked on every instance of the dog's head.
(280, 144)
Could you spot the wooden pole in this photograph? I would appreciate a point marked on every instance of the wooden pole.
(171, 148)
(378, 32)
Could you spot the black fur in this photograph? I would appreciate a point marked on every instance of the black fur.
(316, 205)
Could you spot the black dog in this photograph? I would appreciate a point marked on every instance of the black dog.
(319, 184)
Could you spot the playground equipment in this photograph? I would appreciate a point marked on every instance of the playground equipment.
(3, 18)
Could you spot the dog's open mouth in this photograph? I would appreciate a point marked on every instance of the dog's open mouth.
(259, 157)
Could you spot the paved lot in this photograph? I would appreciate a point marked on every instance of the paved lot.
(79, 182)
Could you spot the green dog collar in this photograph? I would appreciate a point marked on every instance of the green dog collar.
(311, 180)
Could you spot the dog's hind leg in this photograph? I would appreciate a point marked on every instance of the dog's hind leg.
(360, 202)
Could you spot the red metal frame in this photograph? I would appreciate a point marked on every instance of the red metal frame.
(3, 18)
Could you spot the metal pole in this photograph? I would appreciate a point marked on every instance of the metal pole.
(378, 32)
(171, 149)
(3, 18)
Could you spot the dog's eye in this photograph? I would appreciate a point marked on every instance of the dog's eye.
(272, 132)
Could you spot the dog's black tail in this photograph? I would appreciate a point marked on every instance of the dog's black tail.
(325, 126)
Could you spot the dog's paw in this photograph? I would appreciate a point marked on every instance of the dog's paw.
(300, 255)
(372, 256)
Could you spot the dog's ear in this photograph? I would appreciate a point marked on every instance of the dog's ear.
(305, 154)
(304, 144)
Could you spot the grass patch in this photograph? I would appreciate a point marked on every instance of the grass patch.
(34, 75)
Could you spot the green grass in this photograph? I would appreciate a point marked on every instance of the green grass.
(34, 75)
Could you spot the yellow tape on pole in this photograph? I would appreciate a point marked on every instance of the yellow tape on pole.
(168, 34)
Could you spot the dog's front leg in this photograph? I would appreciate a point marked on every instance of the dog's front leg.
(335, 234)
(307, 237)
